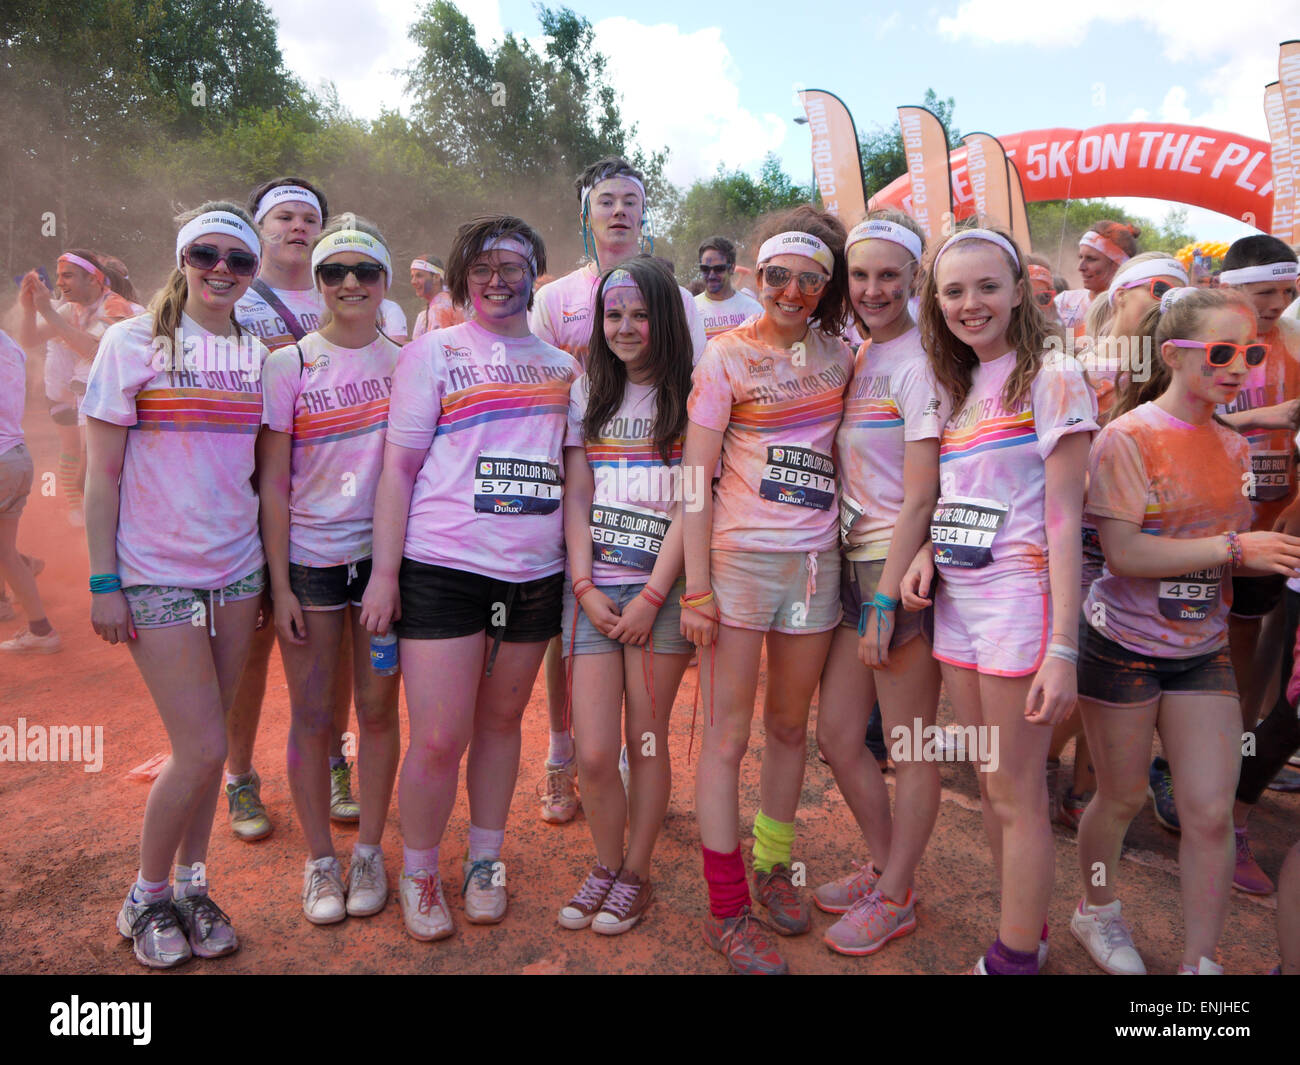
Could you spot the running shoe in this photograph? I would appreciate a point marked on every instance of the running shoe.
(559, 792)
(1107, 938)
(323, 894)
(367, 885)
(744, 942)
(343, 807)
(786, 907)
(160, 941)
(248, 818)
(1247, 876)
(424, 910)
(624, 905)
(839, 895)
(1071, 808)
(484, 890)
(1286, 780)
(206, 925)
(1204, 967)
(1160, 790)
(26, 642)
(581, 910)
(870, 923)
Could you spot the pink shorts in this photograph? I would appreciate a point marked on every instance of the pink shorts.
(998, 637)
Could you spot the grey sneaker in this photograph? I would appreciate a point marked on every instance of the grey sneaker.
(160, 942)
(248, 818)
(343, 807)
(206, 925)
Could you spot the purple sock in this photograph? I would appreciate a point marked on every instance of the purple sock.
(416, 860)
(1001, 960)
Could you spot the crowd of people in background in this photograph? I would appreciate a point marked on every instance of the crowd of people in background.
(886, 467)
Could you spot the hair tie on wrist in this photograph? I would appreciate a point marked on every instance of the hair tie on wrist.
(881, 601)
(652, 597)
(1066, 654)
(105, 582)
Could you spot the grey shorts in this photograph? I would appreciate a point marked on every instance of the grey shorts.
(16, 472)
(777, 590)
(858, 583)
(666, 635)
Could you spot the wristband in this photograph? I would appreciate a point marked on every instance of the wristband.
(881, 601)
(105, 582)
(652, 597)
(1066, 654)
(1234, 549)
(696, 599)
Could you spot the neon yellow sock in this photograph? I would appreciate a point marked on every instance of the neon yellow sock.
(772, 842)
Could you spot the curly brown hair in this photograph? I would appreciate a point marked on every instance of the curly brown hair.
(832, 312)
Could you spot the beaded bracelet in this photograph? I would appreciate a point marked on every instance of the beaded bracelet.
(105, 582)
(1234, 549)
(652, 597)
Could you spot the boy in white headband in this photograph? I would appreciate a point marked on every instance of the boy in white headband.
(611, 206)
(428, 279)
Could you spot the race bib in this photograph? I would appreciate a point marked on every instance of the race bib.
(963, 531)
(850, 511)
(799, 476)
(1192, 596)
(1270, 475)
(506, 484)
(627, 535)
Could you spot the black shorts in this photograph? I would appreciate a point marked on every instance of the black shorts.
(329, 587)
(442, 604)
(1112, 674)
(858, 583)
(1253, 597)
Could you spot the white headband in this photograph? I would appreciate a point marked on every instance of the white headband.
(282, 194)
(216, 222)
(792, 242)
(1250, 275)
(588, 190)
(980, 234)
(353, 240)
(1173, 296)
(424, 264)
(90, 268)
(879, 229)
(1131, 273)
(515, 245)
(619, 279)
(1094, 240)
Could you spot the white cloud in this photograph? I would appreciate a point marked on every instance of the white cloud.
(682, 90)
(885, 25)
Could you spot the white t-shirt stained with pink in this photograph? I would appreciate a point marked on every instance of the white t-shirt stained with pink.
(491, 413)
(892, 401)
(334, 403)
(13, 392)
(988, 530)
(562, 311)
(777, 491)
(188, 513)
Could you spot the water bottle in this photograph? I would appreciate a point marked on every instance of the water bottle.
(383, 653)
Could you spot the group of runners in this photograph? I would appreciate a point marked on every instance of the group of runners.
(602, 476)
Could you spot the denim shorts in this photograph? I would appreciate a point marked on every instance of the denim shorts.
(329, 587)
(1110, 673)
(665, 636)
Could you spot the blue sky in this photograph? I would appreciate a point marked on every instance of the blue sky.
(715, 81)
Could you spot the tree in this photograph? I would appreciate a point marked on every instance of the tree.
(883, 158)
(1057, 225)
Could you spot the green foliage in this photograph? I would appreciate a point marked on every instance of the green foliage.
(1057, 225)
(883, 159)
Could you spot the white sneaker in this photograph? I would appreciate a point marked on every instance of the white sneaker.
(322, 891)
(423, 908)
(1106, 937)
(1205, 967)
(367, 885)
(485, 891)
(25, 642)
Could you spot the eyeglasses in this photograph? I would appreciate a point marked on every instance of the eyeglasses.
(510, 273)
(1044, 299)
(706, 270)
(1153, 285)
(334, 274)
(1219, 353)
(207, 257)
(810, 282)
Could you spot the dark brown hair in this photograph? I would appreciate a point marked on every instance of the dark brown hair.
(669, 356)
(1120, 233)
(832, 312)
(474, 235)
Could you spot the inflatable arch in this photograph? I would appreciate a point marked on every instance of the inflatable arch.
(1208, 168)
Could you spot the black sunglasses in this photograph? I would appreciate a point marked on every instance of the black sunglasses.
(207, 257)
(334, 274)
(706, 270)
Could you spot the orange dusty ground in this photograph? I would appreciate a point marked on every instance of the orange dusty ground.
(69, 838)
